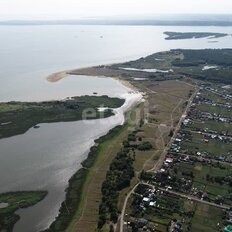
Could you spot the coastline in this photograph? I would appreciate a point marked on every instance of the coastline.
(58, 76)
(132, 98)
(79, 182)
(15, 200)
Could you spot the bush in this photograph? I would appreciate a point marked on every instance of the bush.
(145, 146)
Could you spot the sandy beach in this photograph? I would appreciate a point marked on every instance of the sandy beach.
(93, 71)
(54, 77)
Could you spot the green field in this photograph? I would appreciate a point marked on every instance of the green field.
(204, 179)
(207, 218)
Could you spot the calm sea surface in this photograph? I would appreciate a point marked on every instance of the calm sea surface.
(45, 158)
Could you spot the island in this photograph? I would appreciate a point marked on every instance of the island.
(193, 35)
(13, 201)
(18, 117)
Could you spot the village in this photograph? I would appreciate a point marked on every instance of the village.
(193, 189)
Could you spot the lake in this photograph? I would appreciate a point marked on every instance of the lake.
(46, 158)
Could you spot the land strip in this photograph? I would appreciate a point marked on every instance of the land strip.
(18, 117)
(13, 201)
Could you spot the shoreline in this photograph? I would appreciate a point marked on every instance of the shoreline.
(80, 179)
(58, 76)
(131, 100)
(66, 111)
(17, 200)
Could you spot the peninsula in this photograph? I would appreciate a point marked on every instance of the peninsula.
(193, 35)
(18, 117)
(11, 202)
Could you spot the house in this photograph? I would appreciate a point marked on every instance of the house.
(169, 160)
(146, 199)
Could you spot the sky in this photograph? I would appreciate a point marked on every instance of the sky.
(74, 9)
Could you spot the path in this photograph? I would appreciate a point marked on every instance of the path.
(189, 197)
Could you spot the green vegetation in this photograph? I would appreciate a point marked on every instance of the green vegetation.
(207, 218)
(194, 61)
(192, 35)
(74, 192)
(18, 117)
(214, 179)
(182, 63)
(15, 201)
(205, 56)
(145, 146)
(118, 177)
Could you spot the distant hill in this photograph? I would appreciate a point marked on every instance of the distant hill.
(156, 20)
(192, 35)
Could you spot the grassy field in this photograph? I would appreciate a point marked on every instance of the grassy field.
(18, 117)
(15, 201)
(201, 182)
(207, 218)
